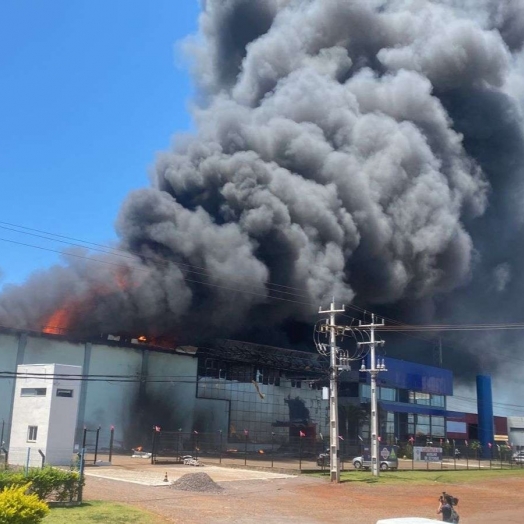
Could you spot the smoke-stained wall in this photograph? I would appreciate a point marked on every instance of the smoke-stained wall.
(263, 409)
(8, 362)
(164, 384)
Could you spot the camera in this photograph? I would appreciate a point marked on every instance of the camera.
(450, 499)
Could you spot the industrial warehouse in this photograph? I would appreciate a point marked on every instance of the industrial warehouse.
(235, 388)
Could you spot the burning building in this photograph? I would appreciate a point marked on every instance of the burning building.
(232, 387)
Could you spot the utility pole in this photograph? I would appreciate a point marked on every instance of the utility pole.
(374, 369)
(334, 461)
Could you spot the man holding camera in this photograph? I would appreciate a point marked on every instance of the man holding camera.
(446, 508)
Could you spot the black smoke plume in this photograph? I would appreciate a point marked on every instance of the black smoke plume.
(370, 150)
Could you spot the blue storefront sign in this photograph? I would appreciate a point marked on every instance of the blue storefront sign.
(415, 377)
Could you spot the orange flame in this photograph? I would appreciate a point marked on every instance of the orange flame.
(64, 317)
(60, 320)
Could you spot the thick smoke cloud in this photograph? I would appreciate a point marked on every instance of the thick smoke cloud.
(370, 150)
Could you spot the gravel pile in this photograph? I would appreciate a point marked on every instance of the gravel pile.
(201, 482)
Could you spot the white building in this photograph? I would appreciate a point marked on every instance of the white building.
(45, 409)
(516, 431)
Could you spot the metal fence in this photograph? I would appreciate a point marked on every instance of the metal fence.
(303, 453)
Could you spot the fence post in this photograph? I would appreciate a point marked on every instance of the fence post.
(96, 444)
(220, 450)
(300, 454)
(245, 447)
(84, 438)
(478, 456)
(43, 457)
(195, 450)
(111, 440)
(178, 443)
(272, 448)
(81, 472)
(27, 461)
(2, 434)
(153, 445)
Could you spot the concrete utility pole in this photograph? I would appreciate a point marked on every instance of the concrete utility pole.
(374, 369)
(334, 461)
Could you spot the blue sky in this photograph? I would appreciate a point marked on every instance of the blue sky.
(89, 93)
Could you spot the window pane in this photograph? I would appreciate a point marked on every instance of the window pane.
(64, 393)
(421, 398)
(365, 390)
(388, 394)
(422, 429)
(437, 421)
(32, 432)
(438, 400)
(33, 392)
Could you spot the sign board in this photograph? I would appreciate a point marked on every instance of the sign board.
(384, 453)
(427, 454)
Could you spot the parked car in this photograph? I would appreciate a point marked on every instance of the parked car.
(518, 457)
(360, 463)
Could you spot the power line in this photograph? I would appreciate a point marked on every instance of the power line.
(268, 296)
(131, 254)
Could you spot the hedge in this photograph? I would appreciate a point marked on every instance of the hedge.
(48, 483)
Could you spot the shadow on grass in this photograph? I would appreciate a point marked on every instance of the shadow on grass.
(80, 506)
(346, 480)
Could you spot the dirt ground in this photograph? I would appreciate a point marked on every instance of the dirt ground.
(251, 497)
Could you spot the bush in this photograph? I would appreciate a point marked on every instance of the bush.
(17, 507)
(58, 484)
(47, 483)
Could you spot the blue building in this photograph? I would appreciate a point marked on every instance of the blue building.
(412, 401)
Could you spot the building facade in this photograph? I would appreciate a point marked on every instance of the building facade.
(231, 387)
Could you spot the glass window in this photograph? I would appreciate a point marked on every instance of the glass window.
(438, 401)
(438, 431)
(32, 432)
(64, 393)
(388, 394)
(422, 429)
(438, 426)
(365, 391)
(423, 419)
(416, 397)
(33, 392)
(390, 424)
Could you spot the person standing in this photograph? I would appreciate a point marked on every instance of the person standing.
(445, 509)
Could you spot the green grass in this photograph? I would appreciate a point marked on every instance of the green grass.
(106, 512)
(424, 477)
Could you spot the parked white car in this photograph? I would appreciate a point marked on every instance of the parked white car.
(384, 465)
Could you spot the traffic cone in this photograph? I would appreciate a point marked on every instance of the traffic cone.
(165, 478)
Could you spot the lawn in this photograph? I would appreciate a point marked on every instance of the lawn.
(425, 477)
(106, 512)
